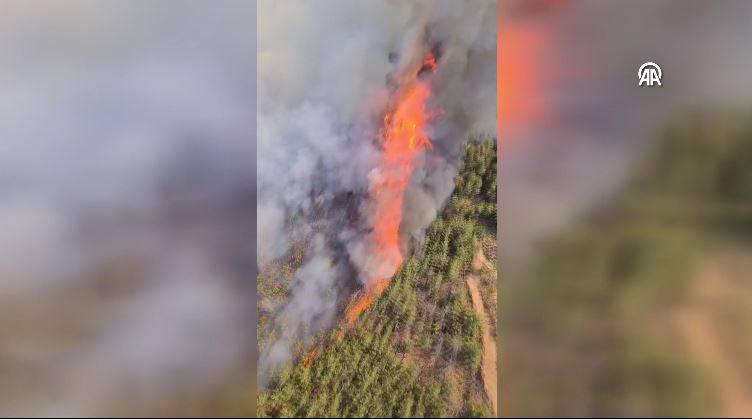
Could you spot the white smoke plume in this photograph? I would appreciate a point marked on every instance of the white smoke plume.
(326, 74)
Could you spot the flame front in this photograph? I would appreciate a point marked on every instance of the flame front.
(404, 137)
(430, 62)
(310, 358)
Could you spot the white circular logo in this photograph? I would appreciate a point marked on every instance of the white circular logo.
(649, 74)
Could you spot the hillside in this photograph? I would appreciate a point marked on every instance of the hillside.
(637, 310)
(418, 349)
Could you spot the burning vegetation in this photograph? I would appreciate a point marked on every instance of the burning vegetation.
(350, 181)
(404, 136)
(414, 348)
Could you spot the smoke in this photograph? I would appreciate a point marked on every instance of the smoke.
(590, 120)
(592, 126)
(125, 196)
(327, 73)
(314, 284)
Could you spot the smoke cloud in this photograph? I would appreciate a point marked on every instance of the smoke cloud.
(327, 71)
(591, 121)
(125, 203)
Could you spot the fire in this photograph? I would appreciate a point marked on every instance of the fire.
(310, 358)
(430, 62)
(365, 300)
(524, 49)
(404, 138)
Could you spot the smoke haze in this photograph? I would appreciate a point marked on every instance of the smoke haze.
(126, 190)
(580, 122)
(327, 71)
(585, 153)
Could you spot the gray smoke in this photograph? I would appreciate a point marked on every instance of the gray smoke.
(125, 185)
(327, 71)
(596, 121)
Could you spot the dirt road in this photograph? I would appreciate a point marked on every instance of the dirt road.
(700, 325)
(488, 368)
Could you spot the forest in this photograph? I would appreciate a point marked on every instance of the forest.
(416, 352)
(635, 310)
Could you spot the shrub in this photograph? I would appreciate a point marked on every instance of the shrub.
(478, 409)
(471, 353)
(462, 320)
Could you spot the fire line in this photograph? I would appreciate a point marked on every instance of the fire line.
(404, 137)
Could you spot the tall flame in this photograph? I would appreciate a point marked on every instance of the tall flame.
(404, 138)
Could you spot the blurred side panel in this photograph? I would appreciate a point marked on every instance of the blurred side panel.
(626, 239)
(127, 208)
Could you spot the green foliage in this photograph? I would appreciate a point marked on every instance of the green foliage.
(471, 354)
(478, 409)
(705, 156)
(381, 367)
(477, 177)
(462, 320)
(602, 290)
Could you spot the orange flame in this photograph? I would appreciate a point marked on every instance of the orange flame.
(364, 301)
(310, 358)
(430, 62)
(404, 135)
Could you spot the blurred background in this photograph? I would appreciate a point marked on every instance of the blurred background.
(626, 229)
(127, 207)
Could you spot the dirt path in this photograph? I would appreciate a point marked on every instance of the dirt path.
(481, 262)
(488, 368)
(699, 325)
